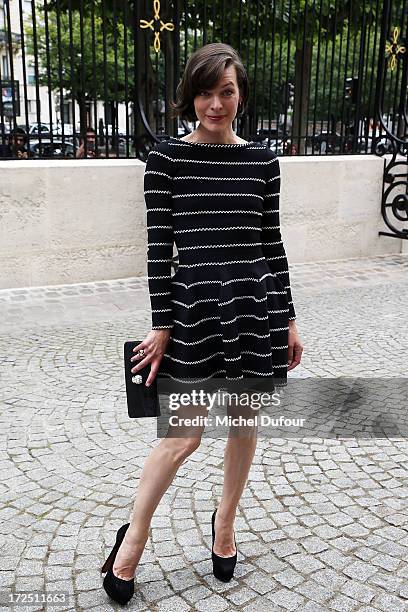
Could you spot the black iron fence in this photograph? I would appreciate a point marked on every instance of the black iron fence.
(93, 78)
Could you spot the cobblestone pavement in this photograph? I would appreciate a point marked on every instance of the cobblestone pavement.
(322, 524)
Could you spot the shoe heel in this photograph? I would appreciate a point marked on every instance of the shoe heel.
(111, 558)
(108, 563)
(223, 567)
(119, 590)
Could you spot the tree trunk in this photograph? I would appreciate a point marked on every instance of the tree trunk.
(303, 62)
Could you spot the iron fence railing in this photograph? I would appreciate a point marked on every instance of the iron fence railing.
(93, 78)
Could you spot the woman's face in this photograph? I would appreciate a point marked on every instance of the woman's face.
(216, 108)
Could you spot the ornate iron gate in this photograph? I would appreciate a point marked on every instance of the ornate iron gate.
(321, 74)
(392, 114)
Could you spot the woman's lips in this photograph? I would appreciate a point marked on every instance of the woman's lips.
(215, 118)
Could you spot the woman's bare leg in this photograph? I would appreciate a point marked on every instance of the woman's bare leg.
(238, 457)
(158, 473)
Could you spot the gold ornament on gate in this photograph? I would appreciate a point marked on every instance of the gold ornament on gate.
(150, 24)
(393, 48)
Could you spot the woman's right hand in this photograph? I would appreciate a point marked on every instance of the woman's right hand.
(154, 346)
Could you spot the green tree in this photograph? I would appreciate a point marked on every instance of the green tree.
(115, 65)
(279, 42)
(83, 55)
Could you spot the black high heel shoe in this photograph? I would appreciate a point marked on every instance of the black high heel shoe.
(118, 589)
(223, 567)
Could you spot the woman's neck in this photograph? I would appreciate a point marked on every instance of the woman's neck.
(226, 137)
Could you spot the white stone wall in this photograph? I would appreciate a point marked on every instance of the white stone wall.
(331, 208)
(69, 221)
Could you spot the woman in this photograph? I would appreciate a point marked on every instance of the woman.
(228, 310)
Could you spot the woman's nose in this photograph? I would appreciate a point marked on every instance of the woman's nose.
(216, 104)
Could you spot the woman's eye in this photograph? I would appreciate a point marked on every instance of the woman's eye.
(229, 91)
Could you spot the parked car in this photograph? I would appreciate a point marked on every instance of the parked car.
(45, 129)
(274, 138)
(37, 128)
(326, 142)
(55, 149)
(381, 144)
(68, 129)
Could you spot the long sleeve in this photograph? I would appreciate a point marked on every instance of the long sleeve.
(272, 243)
(160, 238)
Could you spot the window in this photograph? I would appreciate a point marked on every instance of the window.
(30, 75)
(4, 67)
(67, 112)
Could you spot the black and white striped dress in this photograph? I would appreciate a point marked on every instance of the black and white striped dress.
(229, 302)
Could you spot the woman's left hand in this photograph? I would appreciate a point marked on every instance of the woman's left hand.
(295, 346)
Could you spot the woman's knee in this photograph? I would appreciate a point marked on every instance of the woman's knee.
(189, 445)
(181, 448)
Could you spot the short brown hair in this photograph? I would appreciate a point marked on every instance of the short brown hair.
(203, 70)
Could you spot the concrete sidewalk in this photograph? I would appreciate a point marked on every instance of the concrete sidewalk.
(322, 524)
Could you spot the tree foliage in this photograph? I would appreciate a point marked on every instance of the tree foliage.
(282, 41)
(86, 54)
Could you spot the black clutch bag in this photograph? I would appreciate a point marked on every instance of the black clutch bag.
(142, 401)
